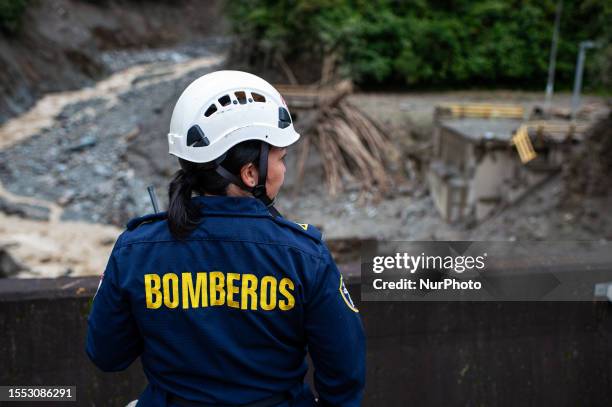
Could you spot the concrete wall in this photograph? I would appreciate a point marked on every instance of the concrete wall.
(422, 354)
(44, 324)
(489, 354)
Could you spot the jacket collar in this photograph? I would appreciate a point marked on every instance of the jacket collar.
(231, 205)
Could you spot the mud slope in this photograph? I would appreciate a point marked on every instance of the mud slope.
(65, 44)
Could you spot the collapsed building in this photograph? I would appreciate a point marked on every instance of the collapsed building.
(487, 157)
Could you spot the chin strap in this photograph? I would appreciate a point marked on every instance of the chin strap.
(259, 190)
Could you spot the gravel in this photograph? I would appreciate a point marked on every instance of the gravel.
(25, 211)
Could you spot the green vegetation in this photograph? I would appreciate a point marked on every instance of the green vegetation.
(10, 14)
(427, 43)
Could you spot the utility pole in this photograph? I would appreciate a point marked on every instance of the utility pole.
(584, 45)
(553, 58)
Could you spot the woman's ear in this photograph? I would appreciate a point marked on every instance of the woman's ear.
(249, 175)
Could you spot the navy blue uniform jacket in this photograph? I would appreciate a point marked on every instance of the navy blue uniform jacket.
(227, 315)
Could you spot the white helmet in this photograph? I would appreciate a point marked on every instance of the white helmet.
(223, 108)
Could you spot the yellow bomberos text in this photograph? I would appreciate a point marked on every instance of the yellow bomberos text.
(216, 288)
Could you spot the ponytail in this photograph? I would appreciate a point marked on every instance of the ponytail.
(183, 215)
(193, 178)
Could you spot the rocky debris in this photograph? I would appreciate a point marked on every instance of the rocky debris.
(589, 171)
(23, 210)
(85, 107)
(83, 143)
(546, 214)
(8, 265)
(118, 60)
(98, 157)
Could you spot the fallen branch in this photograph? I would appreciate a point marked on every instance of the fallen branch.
(353, 147)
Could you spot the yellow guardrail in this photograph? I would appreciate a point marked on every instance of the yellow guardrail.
(558, 127)
(486, 110)
(560, 130)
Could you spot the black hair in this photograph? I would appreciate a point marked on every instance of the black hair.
(183, 214)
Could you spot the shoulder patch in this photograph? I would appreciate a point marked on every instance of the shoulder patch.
(304, 228)
(152, 217)
(346, 296)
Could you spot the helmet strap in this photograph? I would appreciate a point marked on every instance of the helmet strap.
(259, 190)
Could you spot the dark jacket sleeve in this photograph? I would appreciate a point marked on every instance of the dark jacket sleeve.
(336, 339)
(113, 338)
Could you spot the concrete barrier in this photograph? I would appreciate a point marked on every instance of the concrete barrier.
(44, 325)
(424, 354)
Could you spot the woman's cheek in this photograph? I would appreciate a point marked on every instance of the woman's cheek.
(279, 175)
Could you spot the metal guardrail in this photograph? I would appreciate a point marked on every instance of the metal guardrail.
(558, 128)
(558, 131)
(484, 110)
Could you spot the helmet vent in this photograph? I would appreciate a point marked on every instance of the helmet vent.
(196, 137)
(257, 97)
(284, 119)
(225, 100)
(211, 109)
(241, 96)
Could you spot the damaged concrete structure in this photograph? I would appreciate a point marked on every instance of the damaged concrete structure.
(478, 165)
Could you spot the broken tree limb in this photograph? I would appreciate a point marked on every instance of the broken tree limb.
(353, 147)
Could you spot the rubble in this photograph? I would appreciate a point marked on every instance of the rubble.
(588, 172)
(8, 265)
(489, 156)
(26, 211)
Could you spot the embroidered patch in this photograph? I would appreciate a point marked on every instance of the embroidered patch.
(346, 296)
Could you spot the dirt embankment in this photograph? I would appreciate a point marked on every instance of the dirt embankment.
(69, 44)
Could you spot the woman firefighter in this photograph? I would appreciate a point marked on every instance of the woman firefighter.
(220, 296)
